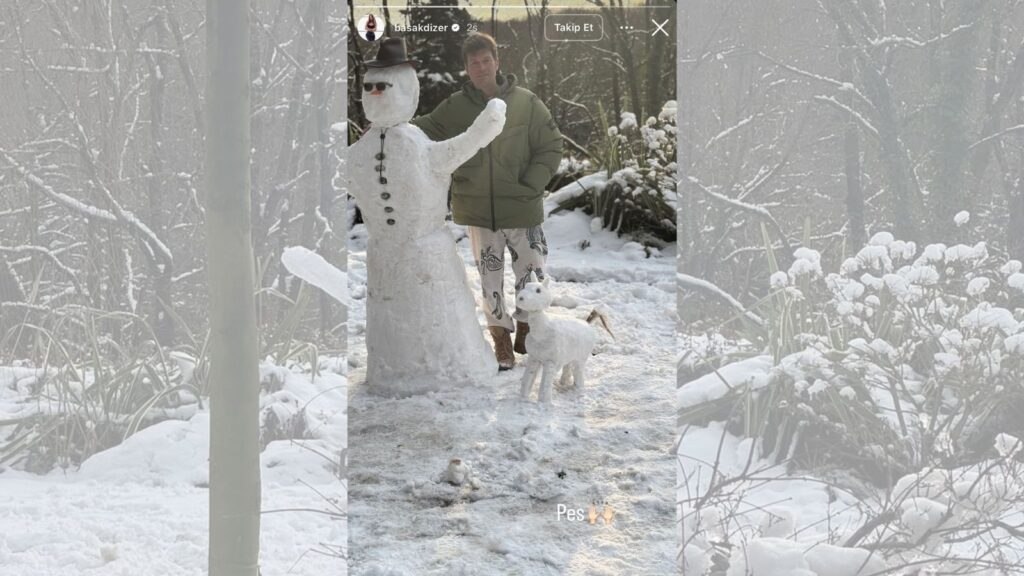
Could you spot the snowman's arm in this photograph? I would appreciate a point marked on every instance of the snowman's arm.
(447, 155)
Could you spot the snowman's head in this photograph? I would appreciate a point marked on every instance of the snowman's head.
(535, 296)
(397, 102)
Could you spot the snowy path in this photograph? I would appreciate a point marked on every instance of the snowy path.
(610, 443)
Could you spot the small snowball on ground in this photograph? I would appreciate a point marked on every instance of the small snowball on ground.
(457, 473)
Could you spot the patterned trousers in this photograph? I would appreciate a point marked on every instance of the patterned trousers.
(528, 249)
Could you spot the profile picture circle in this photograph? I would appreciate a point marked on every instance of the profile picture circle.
(371, 27)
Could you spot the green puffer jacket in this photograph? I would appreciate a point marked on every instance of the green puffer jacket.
(502, 186)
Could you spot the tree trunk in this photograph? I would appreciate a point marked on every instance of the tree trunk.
(622, 47)
(1015, 231)
(616, 96)
(160, 273)
(10, 287)
(327, 246)
(10, 291)
(655, 54)
(950, 120)
(854, 193)
(389, 28)
(234, 369)
(904, 196)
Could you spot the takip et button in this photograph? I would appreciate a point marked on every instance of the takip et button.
(573, 27)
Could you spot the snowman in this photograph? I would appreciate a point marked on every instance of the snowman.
(421, 327)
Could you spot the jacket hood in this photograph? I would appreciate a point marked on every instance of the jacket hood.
(505, 83)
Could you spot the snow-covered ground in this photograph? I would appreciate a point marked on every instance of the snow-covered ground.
(948, 499)
(736, 505)
(140, 508)
(607, 445)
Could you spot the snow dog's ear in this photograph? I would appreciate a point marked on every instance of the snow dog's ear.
(547, 282)
(533, 276)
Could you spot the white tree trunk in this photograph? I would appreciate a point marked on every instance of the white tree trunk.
(234, 368)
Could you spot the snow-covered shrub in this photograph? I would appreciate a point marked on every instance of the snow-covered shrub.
(101, 382)
(905, 356)
(570, 169)
(94, 389)
(639, 195)
(931, 335)
(740, 514)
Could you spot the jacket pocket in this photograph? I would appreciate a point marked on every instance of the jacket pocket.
(511, 150)
(520, 190)
(467, 187)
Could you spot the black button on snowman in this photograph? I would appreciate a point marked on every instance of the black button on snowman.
(380, 87)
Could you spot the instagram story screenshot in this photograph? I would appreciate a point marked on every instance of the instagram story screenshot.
(511, 235)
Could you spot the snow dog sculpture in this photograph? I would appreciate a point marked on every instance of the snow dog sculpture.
(553, 343)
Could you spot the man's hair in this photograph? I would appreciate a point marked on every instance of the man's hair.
(476, 42)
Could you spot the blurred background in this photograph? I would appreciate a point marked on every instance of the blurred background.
(102, 241)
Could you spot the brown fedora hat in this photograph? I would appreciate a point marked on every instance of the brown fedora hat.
(391, 53)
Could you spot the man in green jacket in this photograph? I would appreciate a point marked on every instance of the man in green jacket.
(499, 193)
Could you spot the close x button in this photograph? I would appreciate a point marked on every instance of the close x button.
(573, 27)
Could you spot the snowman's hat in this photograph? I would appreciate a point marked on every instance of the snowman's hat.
(391, 53)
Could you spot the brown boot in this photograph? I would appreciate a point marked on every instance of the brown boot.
(522, 329)
(502, 347)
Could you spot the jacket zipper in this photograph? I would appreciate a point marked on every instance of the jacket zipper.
(490, 163)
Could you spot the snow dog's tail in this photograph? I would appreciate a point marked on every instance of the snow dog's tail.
(598, 316)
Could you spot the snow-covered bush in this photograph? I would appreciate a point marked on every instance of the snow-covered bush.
(102, 380)
(639, 195)
(570, 169)
(903, 357)
(744, 516)
(93, 389)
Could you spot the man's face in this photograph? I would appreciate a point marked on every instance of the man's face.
(482, 68)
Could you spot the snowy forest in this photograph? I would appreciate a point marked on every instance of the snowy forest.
(102, 205)
(113, 152)
(851, 231)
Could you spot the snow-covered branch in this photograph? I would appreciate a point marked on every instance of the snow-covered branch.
(860, 119)
(893, 40)
(120, 216)
(759, 211)
(87, 210)
(737, 126)
(839, 85)
(687, 282)
(997, 135)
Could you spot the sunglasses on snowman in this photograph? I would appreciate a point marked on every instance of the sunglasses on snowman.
(369, 86)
